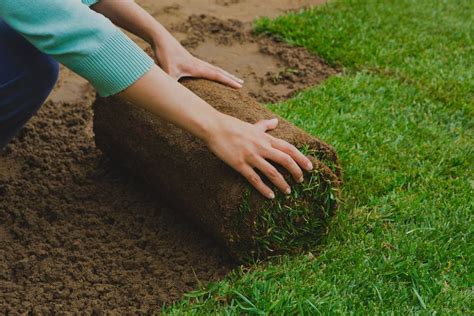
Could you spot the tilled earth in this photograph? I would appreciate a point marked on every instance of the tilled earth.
(77, 233)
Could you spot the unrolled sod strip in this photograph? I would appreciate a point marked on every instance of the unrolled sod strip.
(187, 176)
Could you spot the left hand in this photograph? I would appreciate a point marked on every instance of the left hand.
(177, 62)
(247, 147)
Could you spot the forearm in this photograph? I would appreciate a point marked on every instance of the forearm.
(130, 16)
(160, 94)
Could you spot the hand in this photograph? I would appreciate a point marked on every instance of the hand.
(177, 62)
(171, 56)
(246, 146)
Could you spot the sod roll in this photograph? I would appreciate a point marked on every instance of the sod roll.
(191, 179)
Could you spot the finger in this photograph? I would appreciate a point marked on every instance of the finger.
(287, 162)
(254, 179)
(208, 71)
(272, 174)
(224, 72)
(265, 125)
(228, 74)
(215, 75)
(293, 152)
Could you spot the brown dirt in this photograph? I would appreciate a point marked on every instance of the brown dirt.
(170, 12)
(77, 234)
(272, 70)
(194, 181)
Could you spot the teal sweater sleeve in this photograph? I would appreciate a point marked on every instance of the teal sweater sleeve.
(81, 39)
(89, 2)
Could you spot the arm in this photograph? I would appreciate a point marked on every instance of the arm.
(241, 145)
(82, 40)
(172, 57)
(90, 45)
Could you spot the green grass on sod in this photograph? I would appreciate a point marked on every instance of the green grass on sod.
(401, 120)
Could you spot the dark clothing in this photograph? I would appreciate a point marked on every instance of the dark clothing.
(27, 77)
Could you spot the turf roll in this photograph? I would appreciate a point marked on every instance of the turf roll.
(188, 177)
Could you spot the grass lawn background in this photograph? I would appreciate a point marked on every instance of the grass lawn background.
(401, 118)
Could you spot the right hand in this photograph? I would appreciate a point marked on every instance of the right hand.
(177, 62)
(245, 146)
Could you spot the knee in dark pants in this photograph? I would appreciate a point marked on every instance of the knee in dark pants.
(26, 95)
(43, 76)
(27, 77)
(46, 73)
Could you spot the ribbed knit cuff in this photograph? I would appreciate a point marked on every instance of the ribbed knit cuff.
(116, 65)
(89, 2)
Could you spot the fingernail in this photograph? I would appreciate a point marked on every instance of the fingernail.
(288, 190)
(309, 166)
(271, 195)
(301, 179)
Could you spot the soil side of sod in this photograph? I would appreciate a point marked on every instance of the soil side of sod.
(193, 180)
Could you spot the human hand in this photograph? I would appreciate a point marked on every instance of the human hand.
(245, 146)
(177, 62)
(171, 56)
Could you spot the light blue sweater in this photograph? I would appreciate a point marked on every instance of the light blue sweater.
(81, 39)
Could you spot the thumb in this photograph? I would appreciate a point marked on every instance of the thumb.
(266, 125)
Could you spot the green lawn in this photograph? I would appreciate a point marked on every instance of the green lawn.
(401, 118)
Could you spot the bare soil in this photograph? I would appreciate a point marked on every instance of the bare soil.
(79, 234)
(272, 70)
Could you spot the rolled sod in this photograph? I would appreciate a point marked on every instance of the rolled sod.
(188, 177)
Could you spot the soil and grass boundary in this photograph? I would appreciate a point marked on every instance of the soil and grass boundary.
(400, 116)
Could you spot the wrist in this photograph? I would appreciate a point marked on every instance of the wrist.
(158, 35)
(210, 126)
